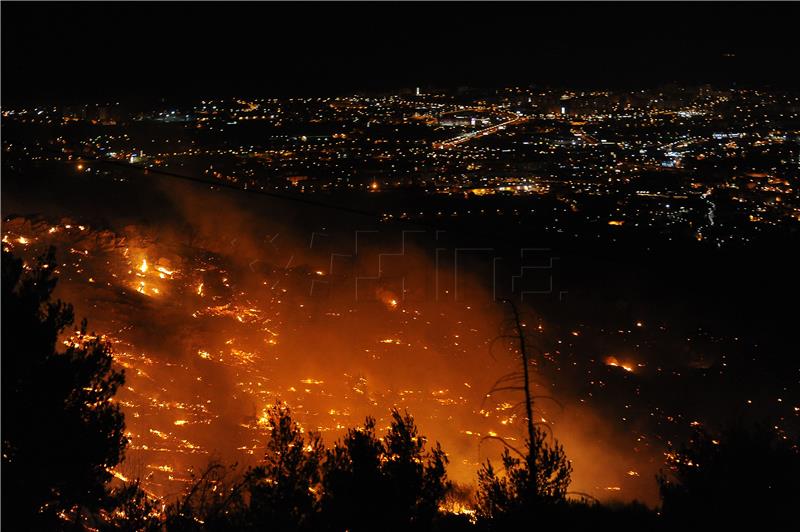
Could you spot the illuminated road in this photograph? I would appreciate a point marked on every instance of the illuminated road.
(466, 137)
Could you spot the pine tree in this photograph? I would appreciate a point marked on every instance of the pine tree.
(393, 484)
(62, 432)
(284, 487)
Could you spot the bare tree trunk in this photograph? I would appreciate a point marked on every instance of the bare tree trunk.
(527, 386)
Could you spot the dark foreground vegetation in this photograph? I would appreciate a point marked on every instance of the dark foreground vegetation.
(62, 435)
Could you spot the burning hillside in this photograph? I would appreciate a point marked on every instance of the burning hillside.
(210, 336)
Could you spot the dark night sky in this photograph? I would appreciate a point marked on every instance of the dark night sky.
(99, 51)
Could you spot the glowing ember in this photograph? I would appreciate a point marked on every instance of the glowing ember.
(118, 475)
(163, 270)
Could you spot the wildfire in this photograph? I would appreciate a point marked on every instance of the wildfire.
(159, 434)
(263, 420)
(255, 371)
(165, 271)
(118, 475)
(240, 314)
(612, 361)
(459, 508)
(388, 298)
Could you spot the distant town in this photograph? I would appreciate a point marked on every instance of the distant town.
(710, 164)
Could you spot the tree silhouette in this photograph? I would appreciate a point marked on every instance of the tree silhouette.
(535, 477)
(393, 484)
(134, 510)
(61, 431)
(419, 479)
(280, 493)
(362, 483)
(216, 500)
(284, 488)
(355, 487)
(742, 475)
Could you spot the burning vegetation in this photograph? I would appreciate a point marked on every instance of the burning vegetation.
(214, 322)
(208, 339)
